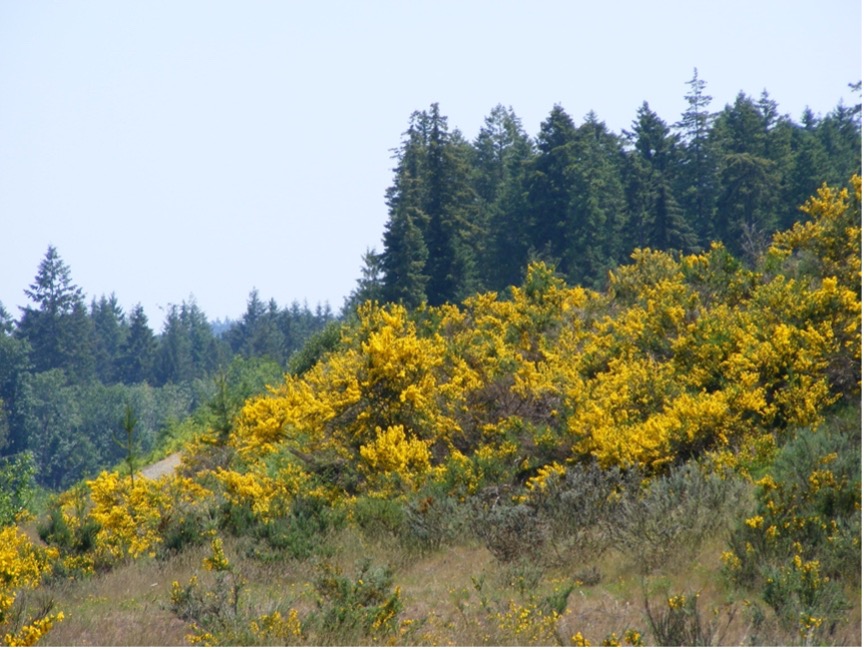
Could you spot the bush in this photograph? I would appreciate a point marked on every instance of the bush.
(576, 504)
(511, 531)
(803, 544)
(673, 515)
(379, 518)
(302, 533)
(430, 521)
(352, 610)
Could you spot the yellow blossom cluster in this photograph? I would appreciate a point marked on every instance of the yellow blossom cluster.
(680, 356)
(22, 566)
(392, 451)
(131, 515)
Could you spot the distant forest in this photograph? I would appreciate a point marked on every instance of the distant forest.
(464, 217)
(68, 371)
(468, 216)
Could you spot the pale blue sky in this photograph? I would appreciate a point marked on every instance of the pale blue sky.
(180, 148)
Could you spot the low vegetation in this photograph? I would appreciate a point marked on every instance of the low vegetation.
(672, 461)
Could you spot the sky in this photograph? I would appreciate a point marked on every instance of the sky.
(180, 150)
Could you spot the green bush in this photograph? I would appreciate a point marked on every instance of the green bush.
(354, 610)
(379, 518)
(511, 531)
(302, 534)
(674, 514)
(803, 544)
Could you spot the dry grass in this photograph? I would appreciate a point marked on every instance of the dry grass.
(453, 592)
(126, 607)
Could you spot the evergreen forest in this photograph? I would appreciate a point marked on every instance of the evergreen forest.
(595, 389)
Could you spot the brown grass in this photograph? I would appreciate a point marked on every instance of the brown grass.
(454, 593)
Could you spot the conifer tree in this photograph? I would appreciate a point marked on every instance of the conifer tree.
(502, 155)
(57, 327)
(696, 181)
(655, 218)
(750, 179)
(430, 206)
(138, 351)
(109, 332)
(596, 218)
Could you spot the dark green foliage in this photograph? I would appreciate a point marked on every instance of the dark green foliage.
(14, 394)
(469, 217)
(301, 534)
(109, 334)
(502, 155)
(316, 347)
(136, 357)
(429, 239)
(370, 285)
(379, 518)
(656, 219)
(57, 326)
(187, 350)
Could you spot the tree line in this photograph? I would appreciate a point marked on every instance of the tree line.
(468, 216)
(68, 369)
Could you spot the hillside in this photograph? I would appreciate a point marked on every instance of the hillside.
(672, 460)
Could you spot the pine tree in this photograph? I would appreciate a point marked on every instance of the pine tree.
(449, 235)
(370, 284)
(593, 237)
(549, 186)
(655, 217)
(14, 392)
(696, 183)
(257, 333)
(430, 216)
(57, 328)
(502, 154)
(138, 352)
(404, 259)
(750, 177)
(109, 332)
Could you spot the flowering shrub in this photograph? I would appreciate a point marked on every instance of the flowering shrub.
(132, 517)
(804, 541)
(22, 567)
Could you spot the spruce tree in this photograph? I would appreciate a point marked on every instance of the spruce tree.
(750, 177)
(596, 216)
(655, 217)
(109, 332)
(696, 183)
(430, 207)
(548, 186)
(502, 154)
(57, 327)
(138, 351)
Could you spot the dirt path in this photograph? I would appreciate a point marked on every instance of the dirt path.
(163, 467)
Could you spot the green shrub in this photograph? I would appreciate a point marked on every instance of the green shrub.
(379, 518)
(354, 610)
(302, 534)
(803, 544)
(674, 514)
(511, 531)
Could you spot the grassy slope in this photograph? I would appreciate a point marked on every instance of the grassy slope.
(447, 588)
